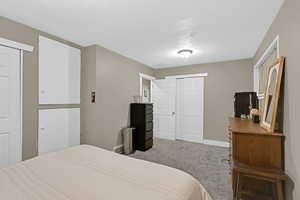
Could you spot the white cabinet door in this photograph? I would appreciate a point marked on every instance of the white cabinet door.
(189, 116)
(10, 106)
(59, 73)
(164, 92)
(58, 129)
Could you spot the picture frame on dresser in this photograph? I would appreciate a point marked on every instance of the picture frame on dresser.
(272, 95)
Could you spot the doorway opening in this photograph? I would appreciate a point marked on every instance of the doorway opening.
(146, 82)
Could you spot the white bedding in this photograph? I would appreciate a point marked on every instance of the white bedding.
(90, 173)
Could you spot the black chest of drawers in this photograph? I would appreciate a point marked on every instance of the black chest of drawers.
(141, 118)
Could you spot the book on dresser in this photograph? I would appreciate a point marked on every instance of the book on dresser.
(141, 118)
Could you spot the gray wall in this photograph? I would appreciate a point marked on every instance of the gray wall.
(116, 82)
(17, 32)
(287, 26)
(88, 85)
(224, 79)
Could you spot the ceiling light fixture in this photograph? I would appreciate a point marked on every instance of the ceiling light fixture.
(185, 53)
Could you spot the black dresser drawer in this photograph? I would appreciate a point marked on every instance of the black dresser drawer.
(148, 144)
(149, 110)
(149, 126)
(149, 135)
(148, 106)
(149, 117)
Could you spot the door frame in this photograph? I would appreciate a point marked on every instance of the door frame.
(21, 47)
(188, 75)
(147, 77)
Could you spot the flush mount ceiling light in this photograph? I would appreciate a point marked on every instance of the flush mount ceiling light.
(185, 53)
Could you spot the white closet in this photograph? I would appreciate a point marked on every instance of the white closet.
(59, 83)
(59, 73)
(10, 106)
(58, 129)
(178, 108)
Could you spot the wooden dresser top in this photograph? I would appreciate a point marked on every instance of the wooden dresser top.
(247, 126)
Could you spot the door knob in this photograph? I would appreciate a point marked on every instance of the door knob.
(173, 113)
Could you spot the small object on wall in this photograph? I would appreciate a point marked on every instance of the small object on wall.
(93, 97)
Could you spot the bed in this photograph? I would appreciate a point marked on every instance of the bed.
(90, 173)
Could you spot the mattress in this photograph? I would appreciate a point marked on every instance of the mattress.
(90, 173)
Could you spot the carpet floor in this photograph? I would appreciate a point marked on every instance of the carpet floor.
(206, 163)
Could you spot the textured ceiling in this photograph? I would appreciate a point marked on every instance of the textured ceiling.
(152, 31)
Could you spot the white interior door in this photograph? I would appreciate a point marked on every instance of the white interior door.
(164, 92)
(189, 109)
(10, 106)
(58, 129)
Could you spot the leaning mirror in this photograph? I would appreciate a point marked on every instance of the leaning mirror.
(272, 93)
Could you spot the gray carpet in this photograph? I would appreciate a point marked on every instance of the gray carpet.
(206, 163)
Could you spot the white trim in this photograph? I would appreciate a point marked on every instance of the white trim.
(189, 75)
(147, 77)
(16, 45)
(273, 45)
(21, 101)
(216, 143)
(191, 138)
(166, 137)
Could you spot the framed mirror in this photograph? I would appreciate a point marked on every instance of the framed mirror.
(272, 93)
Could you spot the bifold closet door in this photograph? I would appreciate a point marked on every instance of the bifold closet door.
(10, 106)
(58, 129)
(189, 109)
(164, 93)
(59, 73)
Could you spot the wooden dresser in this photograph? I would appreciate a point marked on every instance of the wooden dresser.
(256, 148)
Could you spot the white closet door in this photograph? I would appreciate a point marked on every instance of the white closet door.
(10, 106)
(189, 116)
(59, 73)
(164, 92)
(58, 129)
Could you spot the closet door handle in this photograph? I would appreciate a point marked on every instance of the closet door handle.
(42, 130)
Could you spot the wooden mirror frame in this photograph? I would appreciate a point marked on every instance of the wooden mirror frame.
(271, 126)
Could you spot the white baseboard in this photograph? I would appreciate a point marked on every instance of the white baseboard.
(191, 138)
(168, 137)
(216, 143)
(118, 149)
